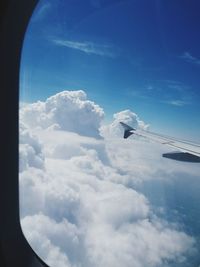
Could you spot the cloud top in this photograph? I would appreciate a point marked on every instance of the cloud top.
(126, 116)
(68, 110)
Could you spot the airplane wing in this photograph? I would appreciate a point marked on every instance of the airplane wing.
(128, 130)
(187, 151)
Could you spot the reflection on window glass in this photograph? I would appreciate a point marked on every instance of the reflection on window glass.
(95, 192)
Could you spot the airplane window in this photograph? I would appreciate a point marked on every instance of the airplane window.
(109, 133)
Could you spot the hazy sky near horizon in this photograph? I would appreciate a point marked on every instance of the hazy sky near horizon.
(138, 55)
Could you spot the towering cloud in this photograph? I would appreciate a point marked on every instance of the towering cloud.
(126, 116)
(68, 110)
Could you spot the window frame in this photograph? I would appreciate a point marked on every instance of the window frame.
(14, 248)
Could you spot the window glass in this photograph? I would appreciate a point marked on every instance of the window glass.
(103, 87)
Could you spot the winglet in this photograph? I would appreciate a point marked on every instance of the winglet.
(128, 130)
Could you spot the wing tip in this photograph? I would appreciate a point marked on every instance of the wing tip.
(182, 156)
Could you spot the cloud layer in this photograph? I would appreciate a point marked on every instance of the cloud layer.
(82, 197)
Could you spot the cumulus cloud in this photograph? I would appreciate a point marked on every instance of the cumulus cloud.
(83, 199)
(49, 238)
(30, 150)
(68, 110)
(126, 116)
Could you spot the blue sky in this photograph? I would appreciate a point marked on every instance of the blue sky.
(141, 55)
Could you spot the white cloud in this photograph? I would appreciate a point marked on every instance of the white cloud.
(137, 244)
(30, 150)
(115, 130)
(82, 206)
(87, 47)
(178, 103)
(49, 238)
(68, 110)
(189, 58)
